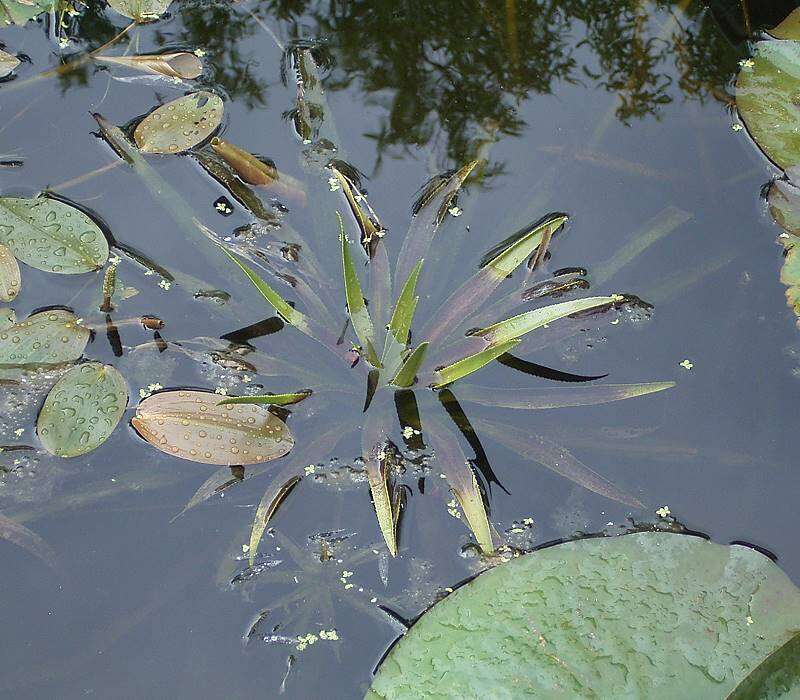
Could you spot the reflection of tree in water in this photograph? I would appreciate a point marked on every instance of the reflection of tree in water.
(456, 70)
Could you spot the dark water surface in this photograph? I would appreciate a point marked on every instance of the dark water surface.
(612, 111)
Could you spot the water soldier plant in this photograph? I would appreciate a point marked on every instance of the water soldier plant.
(392, 364)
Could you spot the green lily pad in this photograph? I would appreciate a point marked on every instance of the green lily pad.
(17, 12)
(181, 124)
(192, 425)
(82, 410)
(10, 280)
(8, 62)
(7, 318)
(766, 93)
(51, 235)
(645, 615)
(784, 206)
(140, 10)
(51, 337)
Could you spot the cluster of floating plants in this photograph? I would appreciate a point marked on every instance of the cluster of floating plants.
(392, 364)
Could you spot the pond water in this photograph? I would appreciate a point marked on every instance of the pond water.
(616, 112)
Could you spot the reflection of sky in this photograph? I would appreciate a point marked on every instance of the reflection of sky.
(718, 449)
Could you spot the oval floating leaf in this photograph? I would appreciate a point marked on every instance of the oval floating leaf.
(181, 124)
(46, 338)
(192, 425)
(789, 28)
(7, 318)
(140, 10)
(8, 62)
(643, 615)
(765, 94)
(10, 279)
(182, 64)
(82, 410)
(51, 235)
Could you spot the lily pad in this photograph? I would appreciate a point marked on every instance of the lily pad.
(784, 206)
(766, 90)
(645, 615)
(82, 410)
(192, 425)
(8, 62)
(140, 10)
(51, 235)
(789, 28)
(51, 337)
(10, 279)
(19, 12)
(7, 318)
(181, 124)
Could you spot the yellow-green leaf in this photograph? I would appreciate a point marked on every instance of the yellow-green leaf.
(181, 124)
(468, 365)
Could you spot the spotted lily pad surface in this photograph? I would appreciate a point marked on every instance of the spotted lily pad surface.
(646, 615)
(8, 62)
(766, 95)
(10, 280)
(82, 410)
(181, 124)
(46, 338)
(192, 425)
(20, 11)
(51, 235)
(140, 10)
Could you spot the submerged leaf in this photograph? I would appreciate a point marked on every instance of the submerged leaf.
(539, 399)
(51, 337)
(378, 466)
(181, 64)
(268, 399)
(555, 457)
(181, 124)
(429, 212)
(764, 90)
(643, 615)
(51, 235)
(29, 541)
(8, 63)
(278, 490)
(477, 289)
(190, 424)
(359, 315)
(82, 410)
(249, 168)
(10, 279)
(140, 10)
(472, 363)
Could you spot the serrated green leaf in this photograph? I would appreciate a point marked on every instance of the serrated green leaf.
(461, 478)
(51, 235)
(359, 315)
(517, 326)
(472, 363)
(400, 323)
(477, 289)
(181, 124)
(408, 371)
(268, 399)
(82, 410)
